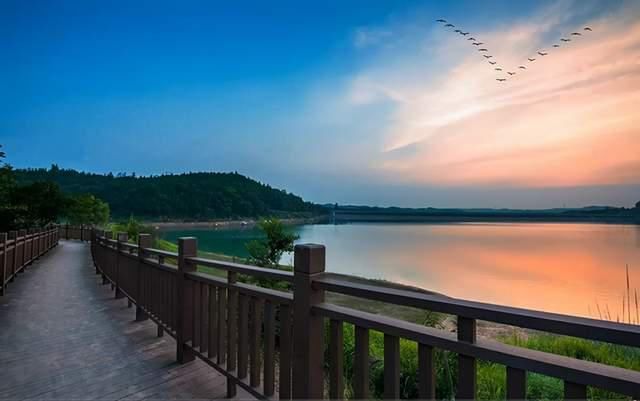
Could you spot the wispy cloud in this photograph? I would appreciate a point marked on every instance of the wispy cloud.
(366, 36)
(569, 119)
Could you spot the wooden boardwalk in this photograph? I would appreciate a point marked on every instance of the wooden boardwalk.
(64, 336)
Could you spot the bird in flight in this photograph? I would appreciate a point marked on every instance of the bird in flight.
(565, 40)
(588, 29)
(483, 50)
(501, 79)
(522, 67)
(472, 38)
(487, 56)
(451, 25)
(531, 59)
(477, 43)
(511, 73)
(441, 20)
(556, 45)
(576, 33)
(492, 62)
(542, 53)
(457, 30)
(498, 69)
(464, 33)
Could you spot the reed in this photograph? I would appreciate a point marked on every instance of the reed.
(629, 304)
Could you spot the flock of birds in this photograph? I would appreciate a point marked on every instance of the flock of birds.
(496, 66)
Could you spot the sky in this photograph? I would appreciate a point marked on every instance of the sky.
(357, 102)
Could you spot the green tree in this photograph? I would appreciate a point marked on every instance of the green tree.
(87, 210)
(133, 228)
(8, 211)
(267, 252)
(37, 204)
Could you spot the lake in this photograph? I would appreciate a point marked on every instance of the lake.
(576, 269)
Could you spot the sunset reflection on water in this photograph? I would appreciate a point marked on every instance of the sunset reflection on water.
(566, 268)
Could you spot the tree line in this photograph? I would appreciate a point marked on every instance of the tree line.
(40, 203)
(188, 196)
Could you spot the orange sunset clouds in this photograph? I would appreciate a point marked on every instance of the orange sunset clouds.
(572, 118)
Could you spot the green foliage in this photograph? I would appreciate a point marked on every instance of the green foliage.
(7, 184)
(594, 351)
(445, 363)
(267, 252)
(133, 228)
(491, 379)
(192, 196)
(37, 204)
(87, 210)
(23, 206)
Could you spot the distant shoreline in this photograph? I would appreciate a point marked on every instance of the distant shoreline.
(221, 224)
(248, 223)
(373, 218)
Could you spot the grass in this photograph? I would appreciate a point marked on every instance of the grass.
(630, 306)
(491, 377)
(543, 387)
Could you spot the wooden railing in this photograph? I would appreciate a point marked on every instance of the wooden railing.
(81, 232)
(18, 249)
(235, 327)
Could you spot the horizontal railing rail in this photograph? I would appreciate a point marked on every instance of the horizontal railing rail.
(18, 249)
(203, 311)
(81, 232)
(593, 329)
(271, 342)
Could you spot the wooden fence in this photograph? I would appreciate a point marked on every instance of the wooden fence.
(242, 330)
(81, 233)
(18, 249)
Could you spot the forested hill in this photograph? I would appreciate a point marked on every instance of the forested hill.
(189, 196)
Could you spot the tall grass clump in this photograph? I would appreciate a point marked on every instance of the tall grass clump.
(542, 387)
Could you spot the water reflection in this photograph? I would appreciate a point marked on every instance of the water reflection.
(566, 268)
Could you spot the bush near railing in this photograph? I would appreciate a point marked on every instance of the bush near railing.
(235, 327)
(18, 249)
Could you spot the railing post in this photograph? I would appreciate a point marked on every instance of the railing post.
(66, 232)
(107, 235)
(39, 250)
(232, 332)
(14, 256)
(122, 237)
(23, 234)
(187, 247)
(93, 246)
(466, 364)
(308, 329)
(144, 241)
(3, 261)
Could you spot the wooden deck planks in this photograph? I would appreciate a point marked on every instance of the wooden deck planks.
(64, 336)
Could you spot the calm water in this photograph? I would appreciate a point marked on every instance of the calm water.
(565, 268)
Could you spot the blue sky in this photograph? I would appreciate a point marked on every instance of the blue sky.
(322, 99)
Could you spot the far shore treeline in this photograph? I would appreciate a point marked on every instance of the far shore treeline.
(183, 197)
(41, 203)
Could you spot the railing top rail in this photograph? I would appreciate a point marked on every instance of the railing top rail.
(276, 296)
(617, 333)
(574, 370)
(244, 269)
(162, 266)
(160, 252)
